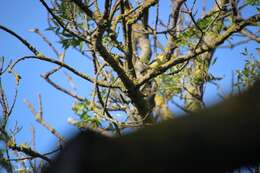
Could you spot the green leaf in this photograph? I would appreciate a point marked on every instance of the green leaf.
(51, 28)
(81, 46)
(245, 52)
(214, 61)
(253, 2)
(65, 43)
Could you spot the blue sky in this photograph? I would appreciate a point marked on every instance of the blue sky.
(21, 16)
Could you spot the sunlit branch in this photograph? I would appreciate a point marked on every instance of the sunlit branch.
(46, 76)
(234, 28)
(28, 151)
(39, 118)
(71, 69)
(27, 44)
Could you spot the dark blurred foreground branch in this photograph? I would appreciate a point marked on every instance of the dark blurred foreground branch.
(219, 139)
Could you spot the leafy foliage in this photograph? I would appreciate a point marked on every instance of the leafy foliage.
(251, 72)
(253, 2)
(84, 111)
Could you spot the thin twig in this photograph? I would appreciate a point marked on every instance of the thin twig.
(39, 118)
(46, 76)
(66, 66)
